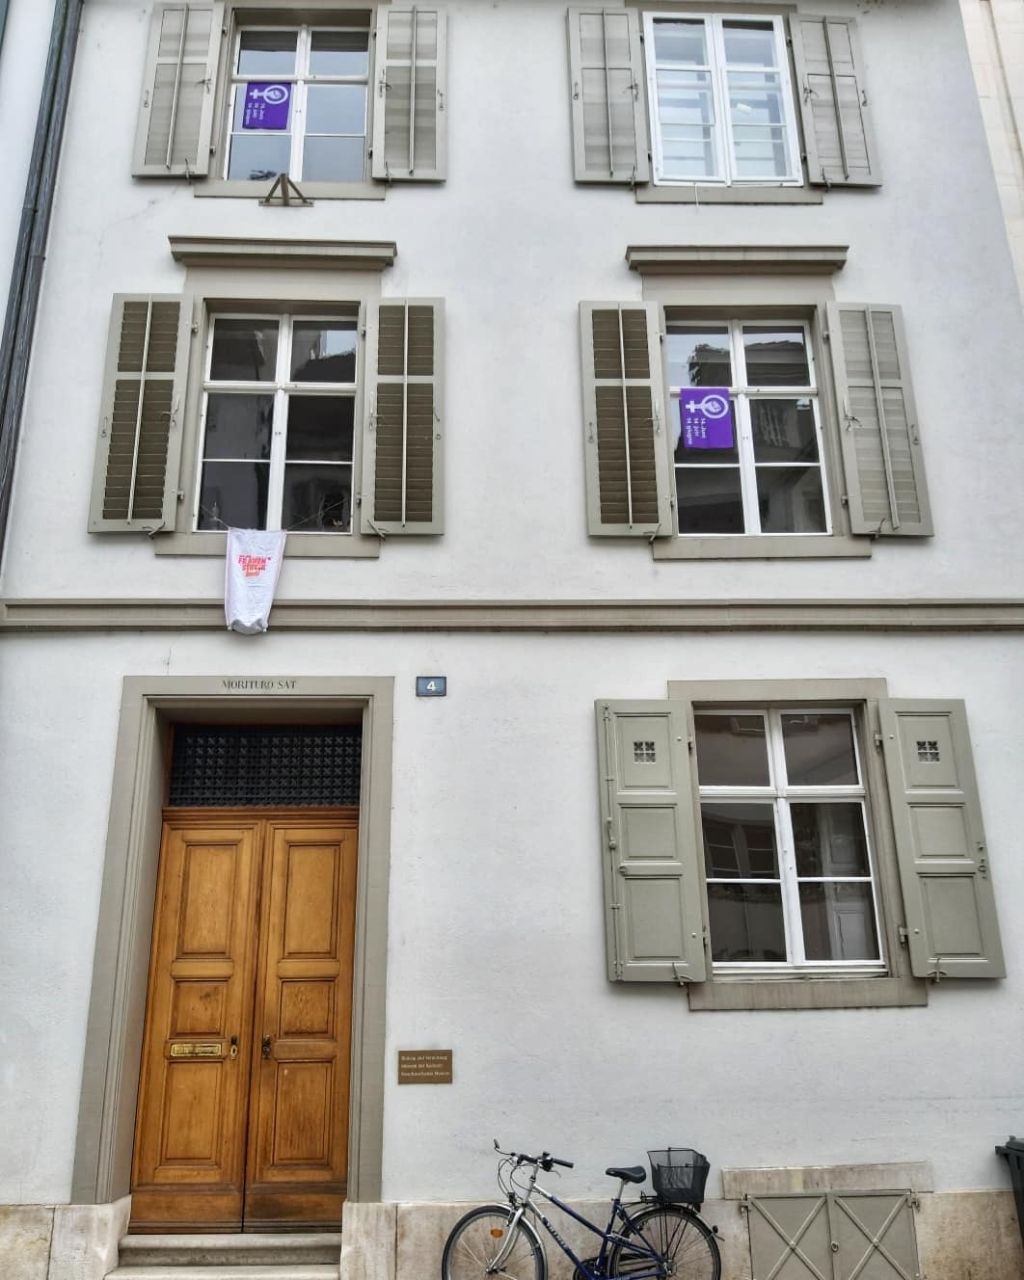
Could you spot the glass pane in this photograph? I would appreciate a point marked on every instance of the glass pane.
(698, 355)
(732, 751)
(336, 108)
(746, 922)
(259, 157)
(790, 500)
(244, 351)
(317, 498)
(830, 840)
(783, 431)
(260, 108)
(761, 152)
(739, 841)
(324, 351)
(686, 117)
(267, 53)
(234, 493)
(839, 922)
(320, 428)
(339, 53)
(238, 426)
(749, 43)
(776, 356)
(334, 160)
(709, 500)
(819, 749)
(681, 41)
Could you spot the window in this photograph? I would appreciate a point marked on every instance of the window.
(720, 99)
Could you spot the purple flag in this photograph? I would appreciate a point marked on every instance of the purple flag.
(266, 106)
(706, 415)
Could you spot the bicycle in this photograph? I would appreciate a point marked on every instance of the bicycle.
(653, 1239)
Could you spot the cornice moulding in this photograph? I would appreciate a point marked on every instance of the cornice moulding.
(775, 259)
(332, 255)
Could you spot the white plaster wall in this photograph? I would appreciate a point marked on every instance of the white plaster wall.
(513, 245)
(496, 924)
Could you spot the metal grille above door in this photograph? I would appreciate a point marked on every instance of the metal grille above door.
(223, 766)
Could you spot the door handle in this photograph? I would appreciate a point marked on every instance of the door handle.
(265, 1046)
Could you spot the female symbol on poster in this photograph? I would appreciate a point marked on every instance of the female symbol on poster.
(706, 415)
(266, 106)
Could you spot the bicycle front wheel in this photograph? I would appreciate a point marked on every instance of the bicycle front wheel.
(684, 1243)
(480, 1246)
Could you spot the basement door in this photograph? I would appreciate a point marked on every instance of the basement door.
(242, 1119)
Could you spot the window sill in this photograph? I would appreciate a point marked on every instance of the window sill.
(756, 547)
(807, 993)
(311, 190)
(651, 194)
(299, 546)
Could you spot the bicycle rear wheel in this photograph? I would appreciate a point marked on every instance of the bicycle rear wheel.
(684, 1242)
(480, 1238)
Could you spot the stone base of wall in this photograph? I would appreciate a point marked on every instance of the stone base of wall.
(61, 1242)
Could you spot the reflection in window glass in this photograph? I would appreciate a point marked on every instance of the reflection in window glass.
(732, 750)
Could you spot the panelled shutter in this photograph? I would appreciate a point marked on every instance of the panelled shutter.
(402, 456)
(409, 134)
(882, 457)
(833, 103)
(606, 74)
(176, 117)
(952, 928)
(626, 444)
(135, 482)
(653, 916)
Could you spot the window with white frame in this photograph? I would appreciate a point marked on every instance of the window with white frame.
(787, 853)
(761, 469)
(299, 102)
(721, 100)
(278, 423)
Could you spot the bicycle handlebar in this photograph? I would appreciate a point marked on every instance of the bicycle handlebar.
(544, 1161)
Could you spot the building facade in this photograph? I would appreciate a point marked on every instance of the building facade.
(710, 840)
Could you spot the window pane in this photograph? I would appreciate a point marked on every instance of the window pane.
(324, 351)
(750, 43)
(238, 426)
(264, 53)
(244, 351)
(339, 53)
(317, 498)
(273, 117)
(739, 841)
(320, 428)
(686, 116)
(830, 840)
(334, 160)
(783, 431)
(709, 500)
(790, 500)
(682, 41)
(776, 356)
(839, 922)
(819, 749)
(732, 751)
(696, 453)
(259, 157)
(746, 922)
(698, 356)
(234, 493)
(758, 115)
(336, 108)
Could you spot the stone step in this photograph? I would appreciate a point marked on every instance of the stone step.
(227, 1272)
(298, 1249)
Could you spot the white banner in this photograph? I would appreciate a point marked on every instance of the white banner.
(251, 572)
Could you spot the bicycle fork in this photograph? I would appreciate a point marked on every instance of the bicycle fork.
(502, 1255)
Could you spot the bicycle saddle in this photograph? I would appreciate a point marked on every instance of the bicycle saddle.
(635, 1173)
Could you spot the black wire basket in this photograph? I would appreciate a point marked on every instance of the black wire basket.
(679, 1175)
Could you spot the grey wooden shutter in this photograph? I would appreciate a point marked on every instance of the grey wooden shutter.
(952, 929)
(176, 117)
(833, 103)
(789, 1236)
(606, 75)
(402, 456)
(626, 438)
(882, 456)
(653, 914)
(409, 135)
(135, 483)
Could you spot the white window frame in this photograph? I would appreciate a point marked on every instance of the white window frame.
(780, 794)
(282, 388)
(301, 80)
(723, 125)
(741, 394)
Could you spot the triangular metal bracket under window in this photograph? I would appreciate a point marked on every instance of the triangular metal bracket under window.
(285, 192)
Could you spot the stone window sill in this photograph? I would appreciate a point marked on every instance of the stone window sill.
(808, 993)
(311, 190)
(651, 194)
(299, 546)
(754, 547)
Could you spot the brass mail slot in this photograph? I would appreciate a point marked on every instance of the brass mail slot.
(197, 1049)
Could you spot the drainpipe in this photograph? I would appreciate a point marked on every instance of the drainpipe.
(30, 251)
(3, 20)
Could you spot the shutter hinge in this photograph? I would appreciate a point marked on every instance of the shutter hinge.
(904, 934)
(879, 740)
(680, 978)
(691, 746)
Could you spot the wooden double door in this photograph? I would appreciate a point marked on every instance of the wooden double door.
(242, 1119)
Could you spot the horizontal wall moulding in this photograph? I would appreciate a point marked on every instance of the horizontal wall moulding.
(525, 615)
(232, 251)
(735, 259)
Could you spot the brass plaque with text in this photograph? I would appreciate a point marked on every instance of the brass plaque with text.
(424, 1066)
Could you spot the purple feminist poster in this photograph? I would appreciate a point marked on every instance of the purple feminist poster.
(266, 106)
(706, 415)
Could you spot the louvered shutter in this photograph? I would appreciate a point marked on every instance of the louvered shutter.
(176, 117)
(409, 135)
(833, 103)
(882, 456)
(940, 842)
(137, 458)
(606, 74)
(625, 435)
(402, 479)
(653, 915)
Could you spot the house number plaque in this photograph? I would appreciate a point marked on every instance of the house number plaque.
(424, 1066)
